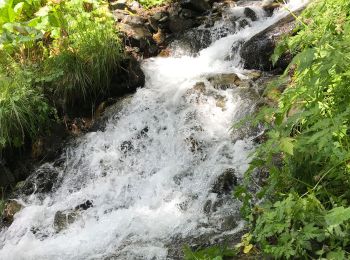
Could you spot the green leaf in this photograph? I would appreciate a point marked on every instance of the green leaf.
(286, 145)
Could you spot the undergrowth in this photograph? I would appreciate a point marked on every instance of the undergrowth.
(305, 211)
(54, 54)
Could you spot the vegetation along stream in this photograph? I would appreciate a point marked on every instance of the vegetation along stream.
(160, 173)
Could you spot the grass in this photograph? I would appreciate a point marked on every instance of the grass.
(55, 54)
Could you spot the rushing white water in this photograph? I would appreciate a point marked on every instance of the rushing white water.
(150, 172)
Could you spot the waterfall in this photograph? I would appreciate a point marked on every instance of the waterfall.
(147, 178)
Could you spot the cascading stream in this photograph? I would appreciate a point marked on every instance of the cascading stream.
(150, 174)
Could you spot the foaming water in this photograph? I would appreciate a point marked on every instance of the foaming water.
(151, 171)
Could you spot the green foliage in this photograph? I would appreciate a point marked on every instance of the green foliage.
(67, 50)
(307, 153)
(209, 253)
(23, 112)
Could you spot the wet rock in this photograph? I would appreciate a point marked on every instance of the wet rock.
(192, 41)
(248, 12)
(195, 5)
(225, 182)
(257, 51)
(63, 219)
(41, 181)
(224, 81)
(84, 206)
(10, 209)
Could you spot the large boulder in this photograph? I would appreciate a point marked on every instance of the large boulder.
(256, 52)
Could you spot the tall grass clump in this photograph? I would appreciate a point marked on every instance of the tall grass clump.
(87, 53)
(306, 213)
(23, 112)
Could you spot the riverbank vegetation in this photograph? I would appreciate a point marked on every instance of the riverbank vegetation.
(53, 54)
(305, 211)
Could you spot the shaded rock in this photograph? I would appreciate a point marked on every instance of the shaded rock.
(178, 24)
(248, 12)
(195, 5)
(10, 209)
(257, 51)
(225, 182)
(128, 79)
